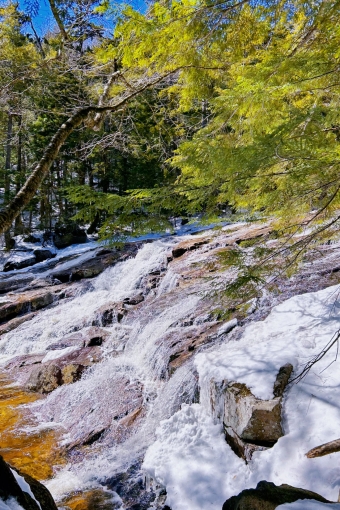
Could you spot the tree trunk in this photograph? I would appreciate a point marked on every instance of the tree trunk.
(11, 211)
(7, 233)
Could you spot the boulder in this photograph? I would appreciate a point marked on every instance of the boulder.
(268, 496)
(25, 303)
(67, 234)
(25, 490)
(109, 313)
(96, 264)
(44, 378)
(42, 254)
(249, 423)
(191, 244)
(19, 263)
(66, 369)
(31, 239)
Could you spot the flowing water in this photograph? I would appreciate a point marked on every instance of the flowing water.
(120, 400)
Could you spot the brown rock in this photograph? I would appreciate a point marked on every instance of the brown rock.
(134, 300)
(71, 373)
(282, 379)
(44, 378)
(14, 323)
(29, 301)
(191, 244)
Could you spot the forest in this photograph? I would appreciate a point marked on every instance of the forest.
(121, 118)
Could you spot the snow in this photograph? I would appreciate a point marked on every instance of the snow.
(24, 486)
(310, 504)
(190, 457)
(58, 353)
(10, 504)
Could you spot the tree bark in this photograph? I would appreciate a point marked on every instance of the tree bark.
(58, 19)
(27, 192)
(324, 449)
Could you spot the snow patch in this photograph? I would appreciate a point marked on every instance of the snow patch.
(190, 457)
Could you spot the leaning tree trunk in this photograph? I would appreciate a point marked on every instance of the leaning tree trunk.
(7, 233)
(27, 192)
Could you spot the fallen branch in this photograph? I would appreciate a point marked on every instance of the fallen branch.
(324, 449)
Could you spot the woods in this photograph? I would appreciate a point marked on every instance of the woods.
(181, 108)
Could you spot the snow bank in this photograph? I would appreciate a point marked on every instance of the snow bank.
(310, 504)
(190, 457)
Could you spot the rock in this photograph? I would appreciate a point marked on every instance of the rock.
(268, 496)
(93, 336)
(191, 244)
(250, 419)
(42, 254)
(282, 379)
(96, 264)
(24, 303)
(14, 323)
(44, 378)
(31, 239)
(134, 300)
(65, 369)
(249, 423)
(71, 373)
(67, 234)
(28, 492)
(40, 492)
(109, 314)
(15, 264)
(228, 326)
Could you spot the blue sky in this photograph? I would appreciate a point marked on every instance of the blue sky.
(44, 20)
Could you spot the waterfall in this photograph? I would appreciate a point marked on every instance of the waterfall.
(132, 377)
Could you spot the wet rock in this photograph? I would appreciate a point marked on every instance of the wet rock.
(66, 369)
(40, 492)
(71, 373)
(90, 337)
(184, 246)
(14, 323)
(28, 492)
(96, 264)
(226, 327)
(24, 303)
(67, 234)
(42, 254)
(44, 378)
(95, 336)
(134, 300)
(130, 486)
(109, 314)
(16, 264)
(268, 496)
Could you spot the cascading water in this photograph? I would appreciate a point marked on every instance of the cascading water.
(131, 380)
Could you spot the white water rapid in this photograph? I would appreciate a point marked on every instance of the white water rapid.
(132, 378)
